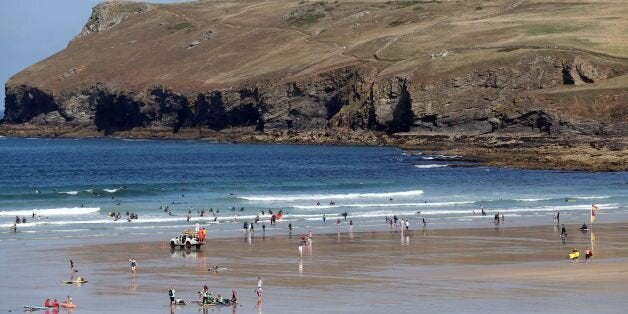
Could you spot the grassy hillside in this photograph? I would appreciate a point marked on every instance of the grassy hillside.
(209, 44)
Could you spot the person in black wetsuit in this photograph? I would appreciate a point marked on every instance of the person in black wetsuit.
(563, 232)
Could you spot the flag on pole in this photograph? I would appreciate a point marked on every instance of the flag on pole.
(593, 207)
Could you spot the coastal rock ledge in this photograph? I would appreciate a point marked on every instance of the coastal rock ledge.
(447, 77)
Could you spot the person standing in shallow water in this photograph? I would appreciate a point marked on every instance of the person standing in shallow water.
(259, 291)
(587, 255)
(133, 264)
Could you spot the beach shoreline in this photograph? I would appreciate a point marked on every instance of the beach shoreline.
(511, 269)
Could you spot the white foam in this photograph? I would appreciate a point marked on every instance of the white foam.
(434, 204)
(69, 192)
(52, 211)
(531, 199)
(314, 197)
(589, 197)
(111, 190)
(430, 166)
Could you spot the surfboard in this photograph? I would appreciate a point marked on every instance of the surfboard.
(199, 302)
(71, 282)
(68, 305)
(34, 308)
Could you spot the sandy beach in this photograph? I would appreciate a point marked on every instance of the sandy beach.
(517, 269)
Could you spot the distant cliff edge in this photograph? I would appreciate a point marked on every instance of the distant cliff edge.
(514, 83)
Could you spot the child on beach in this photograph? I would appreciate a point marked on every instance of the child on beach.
(133, 264)
(172, 297)
(587, 255)
(258, 291)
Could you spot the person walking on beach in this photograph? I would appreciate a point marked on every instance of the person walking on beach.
(424, 222)
(14, 228)
(587, 255)
(407, 224)
(172, 296)
(300, 251)
(324, 218)
(133, 264)
(563, 232)
(71, 266)
(259, 291)
(290, 227)
(350, 225)
(557, 217)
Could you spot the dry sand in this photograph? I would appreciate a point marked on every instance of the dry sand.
(502, 270)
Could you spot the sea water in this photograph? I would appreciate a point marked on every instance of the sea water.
(66, 188)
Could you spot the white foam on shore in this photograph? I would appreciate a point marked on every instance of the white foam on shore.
(430, 166)
(314, 197)
(51, 211)
(111, 190)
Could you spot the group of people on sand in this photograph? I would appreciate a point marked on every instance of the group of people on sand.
(574, 255)
(395, 221)
(206, 298)
(67, 303)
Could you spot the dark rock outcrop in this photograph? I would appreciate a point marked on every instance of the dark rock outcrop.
(259, 76)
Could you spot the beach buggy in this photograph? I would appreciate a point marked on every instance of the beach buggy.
(187, 239)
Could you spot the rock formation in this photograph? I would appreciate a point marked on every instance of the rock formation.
(408, 73)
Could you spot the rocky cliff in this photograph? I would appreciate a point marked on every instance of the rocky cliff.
(432, 75)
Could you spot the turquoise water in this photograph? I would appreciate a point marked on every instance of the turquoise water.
(72, 184)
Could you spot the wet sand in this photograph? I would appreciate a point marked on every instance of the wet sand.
(520, 269)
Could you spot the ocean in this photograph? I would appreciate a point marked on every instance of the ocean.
(66, 188)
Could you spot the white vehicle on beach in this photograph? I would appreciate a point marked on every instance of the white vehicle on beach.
(186, 240)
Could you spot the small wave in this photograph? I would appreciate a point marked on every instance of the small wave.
(428, 158)
(430, 166)
(589, 197)
(111, 190)
(434, 204)
(69, 192)
(531, 199)
(297, 197)
(52, 211)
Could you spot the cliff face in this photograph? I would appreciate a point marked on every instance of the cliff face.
(410, 68)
